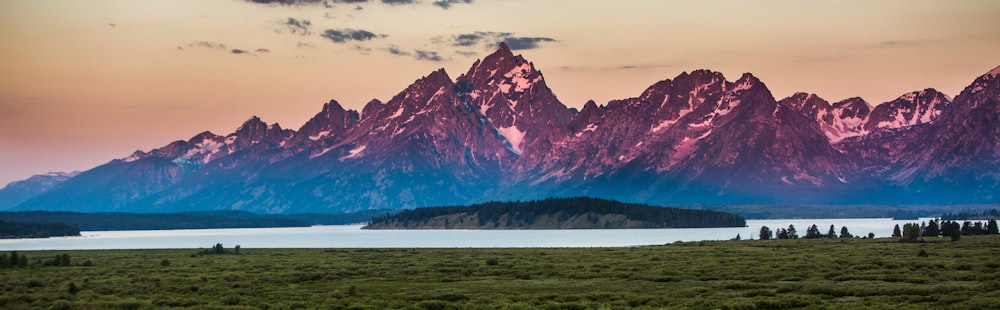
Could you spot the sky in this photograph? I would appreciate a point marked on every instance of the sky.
(84, 82)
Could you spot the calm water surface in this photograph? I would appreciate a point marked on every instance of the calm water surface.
(351, 236)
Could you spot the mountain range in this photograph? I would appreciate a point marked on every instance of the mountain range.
(497, 132)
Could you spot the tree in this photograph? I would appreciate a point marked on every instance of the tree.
(765, 233)
(991, 227)
(792, 234)
(737, 237)
(782, 233)
(844, 233)
(23, 262)
(911, 231)
(831, 233)
(14, 258)
(813, 232)
(896, 233)
(932, 229)
(237, 249)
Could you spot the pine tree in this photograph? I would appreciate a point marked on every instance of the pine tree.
(765, 233)
(911, 231)
(932, 229)
(991, 227)
(844, 233)
(831, 233)
(813, 232)
(895, 232)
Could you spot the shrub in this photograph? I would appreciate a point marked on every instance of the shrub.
(492, 261)
(231, 300)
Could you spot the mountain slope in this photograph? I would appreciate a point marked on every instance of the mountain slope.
(17, 192)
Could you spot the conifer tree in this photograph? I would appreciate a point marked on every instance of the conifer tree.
(765, 233)
(844, 233)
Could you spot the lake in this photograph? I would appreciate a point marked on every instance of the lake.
(352, 236)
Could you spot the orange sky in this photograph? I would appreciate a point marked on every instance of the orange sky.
(83, 82)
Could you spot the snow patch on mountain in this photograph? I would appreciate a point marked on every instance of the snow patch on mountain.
(355, 152)
(514, 136)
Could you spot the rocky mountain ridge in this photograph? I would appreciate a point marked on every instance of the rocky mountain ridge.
(497, 132)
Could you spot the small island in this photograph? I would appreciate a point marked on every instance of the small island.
(555, 213)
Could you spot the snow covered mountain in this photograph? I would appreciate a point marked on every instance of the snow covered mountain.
(498, 132)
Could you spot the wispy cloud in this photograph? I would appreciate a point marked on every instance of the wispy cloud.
(427, 55)
(347, 34)
(445, 4)
(419, 54)
(525, 43)
(207, 44)
(392, 49)
(489, 40)
(298, 26)
(287, 2)
(223, 48)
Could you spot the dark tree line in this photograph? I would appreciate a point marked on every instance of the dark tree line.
(961, 216)
(911, 232)
(36, 230)
(812, 232)
(526, 212)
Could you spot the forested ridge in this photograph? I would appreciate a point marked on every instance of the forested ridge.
(187, 220)
(36, 230)
(555, 213)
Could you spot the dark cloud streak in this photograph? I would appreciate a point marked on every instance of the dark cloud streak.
(427, 55)
(525, 43)
(491, 39)
(446, 4)
(347, 34)
(298, 26)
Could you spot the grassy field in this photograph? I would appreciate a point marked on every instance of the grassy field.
(748, 274)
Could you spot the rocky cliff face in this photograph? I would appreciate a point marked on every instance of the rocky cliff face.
(498, 132)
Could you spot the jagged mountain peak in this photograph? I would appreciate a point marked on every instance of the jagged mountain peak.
(372, 107)
(807, 103)
(204, 135)
(333, 120)
(747, 81)
(855, 102)
(913, 108)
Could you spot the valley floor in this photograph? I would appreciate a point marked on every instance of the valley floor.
(747, 274)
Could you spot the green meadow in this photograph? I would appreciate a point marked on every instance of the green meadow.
(747, 274)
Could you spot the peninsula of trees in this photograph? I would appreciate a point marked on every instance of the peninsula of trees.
(555, 213)
(10, 230)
